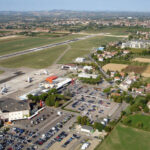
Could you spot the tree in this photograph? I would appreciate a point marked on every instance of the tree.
(30, 97)
(56, 104)
(146, 109)
(47, 102)
(43, 96)
(107, 128)
(127, 121)
(84, 120)
(98, 126)
(79, 118)
(139, 125)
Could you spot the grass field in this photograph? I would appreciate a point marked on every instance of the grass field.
(37, 60)
(82, 48)
(22, 43)
(126, 138)
(140, 118)
(45, 58)
(114, 67)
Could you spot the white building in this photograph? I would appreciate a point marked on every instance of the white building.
(87, 68)
(85, 75)
(100, 59)
(86, 129)
(71, 67)
(13, 110)
(80, 60)
(136, 44)
(85, 146)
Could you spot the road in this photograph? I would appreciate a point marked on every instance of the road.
(44, 47)
(100, 68)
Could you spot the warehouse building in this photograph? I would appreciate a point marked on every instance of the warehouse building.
(11, 109)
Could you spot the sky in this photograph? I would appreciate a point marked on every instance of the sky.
(89, 5)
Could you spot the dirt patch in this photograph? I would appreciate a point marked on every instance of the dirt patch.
(144, 60)
(8, 37)
(136, 69)
(146, 72)
(114, 67)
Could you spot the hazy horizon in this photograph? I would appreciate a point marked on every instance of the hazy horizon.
(78, 5)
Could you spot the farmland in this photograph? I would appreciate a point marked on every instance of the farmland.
(143, 60)
(114, 67)
(126, 138)
(135, 68)
(20, 43)
(146, 72)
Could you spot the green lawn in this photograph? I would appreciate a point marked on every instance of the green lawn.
(39, 59)
(126, 138)
(140, 118)
(22, 43)
(82, 48)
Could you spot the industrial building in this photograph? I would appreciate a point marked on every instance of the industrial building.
(11, 109)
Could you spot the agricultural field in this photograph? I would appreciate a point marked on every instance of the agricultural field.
(37, 60)
(143, 60)
(114, 67)
(135, 68)
(146, 72)
(81, 48)
(126, 138)
(20, 43)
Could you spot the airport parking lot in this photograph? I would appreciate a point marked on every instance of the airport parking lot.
(92, 102)
(37, 135)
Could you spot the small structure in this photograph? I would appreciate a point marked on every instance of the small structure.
(87, 68)
(87, 129)
(85, 75)
(100, 48)
(85, 146)
(80, 60)
(71, 67)
(51, 78)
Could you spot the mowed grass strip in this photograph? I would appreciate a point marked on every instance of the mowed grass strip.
(37, 60)
(18, 44)
(81, 48)
(126, 138)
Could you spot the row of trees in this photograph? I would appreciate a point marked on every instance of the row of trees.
(91, 80)
(52, 98)
(96, 125)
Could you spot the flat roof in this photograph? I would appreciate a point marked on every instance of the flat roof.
(11, 105)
